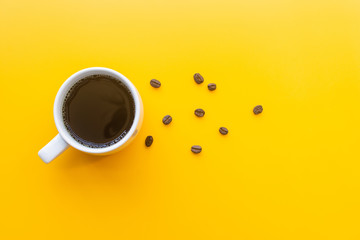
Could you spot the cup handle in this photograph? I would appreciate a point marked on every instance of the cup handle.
(53, 149)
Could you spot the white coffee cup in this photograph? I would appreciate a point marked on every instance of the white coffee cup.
(63, 140)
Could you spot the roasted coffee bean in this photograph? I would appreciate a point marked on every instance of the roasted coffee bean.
(198, 78)
(199, 112)
(258, 109)
(155, 83)
(196, 149)
(167, 119)
(148, 141)
(223, 130)
(211, 86)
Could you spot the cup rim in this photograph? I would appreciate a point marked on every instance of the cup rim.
(60, 96)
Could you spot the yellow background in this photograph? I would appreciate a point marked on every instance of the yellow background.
(292, 172)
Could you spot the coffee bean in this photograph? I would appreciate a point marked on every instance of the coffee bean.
(199, 112)
(167, 119)
(223, 130)
(196, 149)
(148, 141)
(258, 109)
(198, 78)
(211, 86)
(155, 83)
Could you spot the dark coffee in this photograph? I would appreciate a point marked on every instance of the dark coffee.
(98, 111)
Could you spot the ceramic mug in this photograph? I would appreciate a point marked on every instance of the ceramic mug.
(63, 140)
